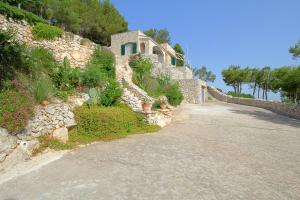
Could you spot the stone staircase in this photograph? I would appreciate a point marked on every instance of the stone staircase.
(133, 95)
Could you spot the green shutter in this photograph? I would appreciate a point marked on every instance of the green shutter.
(123, 50)
(134, 48)
(173, 61)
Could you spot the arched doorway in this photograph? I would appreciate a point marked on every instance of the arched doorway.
(160, 55)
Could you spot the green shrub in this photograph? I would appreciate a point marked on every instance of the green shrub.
(155, 87)
(16, 108)
(107, 96)
(151, 86)
(174, 94)
(92, 77)
(242, 95)
(66, 78)
(13, 56)
(111, 93)
(141, 68)
(41, 89)
(104, 122)
(41, 61)
(45, 31)
(100, 69)
(104, 62)
(19, 14)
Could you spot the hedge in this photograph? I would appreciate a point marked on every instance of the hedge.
(47, 32)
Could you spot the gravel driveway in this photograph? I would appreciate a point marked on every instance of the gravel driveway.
(216, 151)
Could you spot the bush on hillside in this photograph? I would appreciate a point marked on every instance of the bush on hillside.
(104, 61)
(41, 62)
(111, 94)
(16, 108)
(95, 20)
(47, 32)
(108, 95)
(19, 14)
(104, 122)
(12, 56)
(66, 78)
(100, 68)
(41, 89)
(141, 67)
(174, 94)
(155, 87)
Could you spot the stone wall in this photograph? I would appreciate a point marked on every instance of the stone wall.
(74, 47)
(292, 110)
(47, 120)
(175, 73)
(194, 91)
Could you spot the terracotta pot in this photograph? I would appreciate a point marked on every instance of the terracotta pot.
(163, 106)
(146, 107)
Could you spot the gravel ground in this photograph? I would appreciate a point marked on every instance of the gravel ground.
(215, 151)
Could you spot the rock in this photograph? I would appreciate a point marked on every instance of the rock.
(50, 110)
(45, 103)
(3, 132)
(70, 123)
(21, 153)
(61, 134)
(29, 146)
(76, 101)
(7, 143)
(71, 115)
(2, 157)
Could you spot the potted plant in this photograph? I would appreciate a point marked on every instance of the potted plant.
(163, 104)
(146, 105)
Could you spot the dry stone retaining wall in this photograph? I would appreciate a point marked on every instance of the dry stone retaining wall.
(77, 49)
(291, 110)
(47, 119)
(192, 91)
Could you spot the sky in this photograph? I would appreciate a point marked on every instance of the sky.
(218, 33)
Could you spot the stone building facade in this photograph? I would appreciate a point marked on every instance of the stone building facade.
(134, 42)
(163, 57)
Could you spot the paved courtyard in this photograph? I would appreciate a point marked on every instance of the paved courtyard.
(216, 151)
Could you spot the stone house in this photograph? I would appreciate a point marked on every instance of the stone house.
(134, 42)
(163, 56)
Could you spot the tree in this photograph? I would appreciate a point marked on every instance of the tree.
(18, 3)
(287, 81)
(179, 50)
(252, 79)
(295, 50)
(160, 36)
(205, 75)
(93, 19)
(231, 76)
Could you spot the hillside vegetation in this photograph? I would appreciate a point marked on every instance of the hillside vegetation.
(92, 19)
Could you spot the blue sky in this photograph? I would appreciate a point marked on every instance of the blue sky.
(218, 33)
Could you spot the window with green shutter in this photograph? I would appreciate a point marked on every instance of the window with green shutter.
(123, 50)
(134, 48)
(173, 61)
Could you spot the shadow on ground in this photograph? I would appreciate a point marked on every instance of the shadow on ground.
(269, 116)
